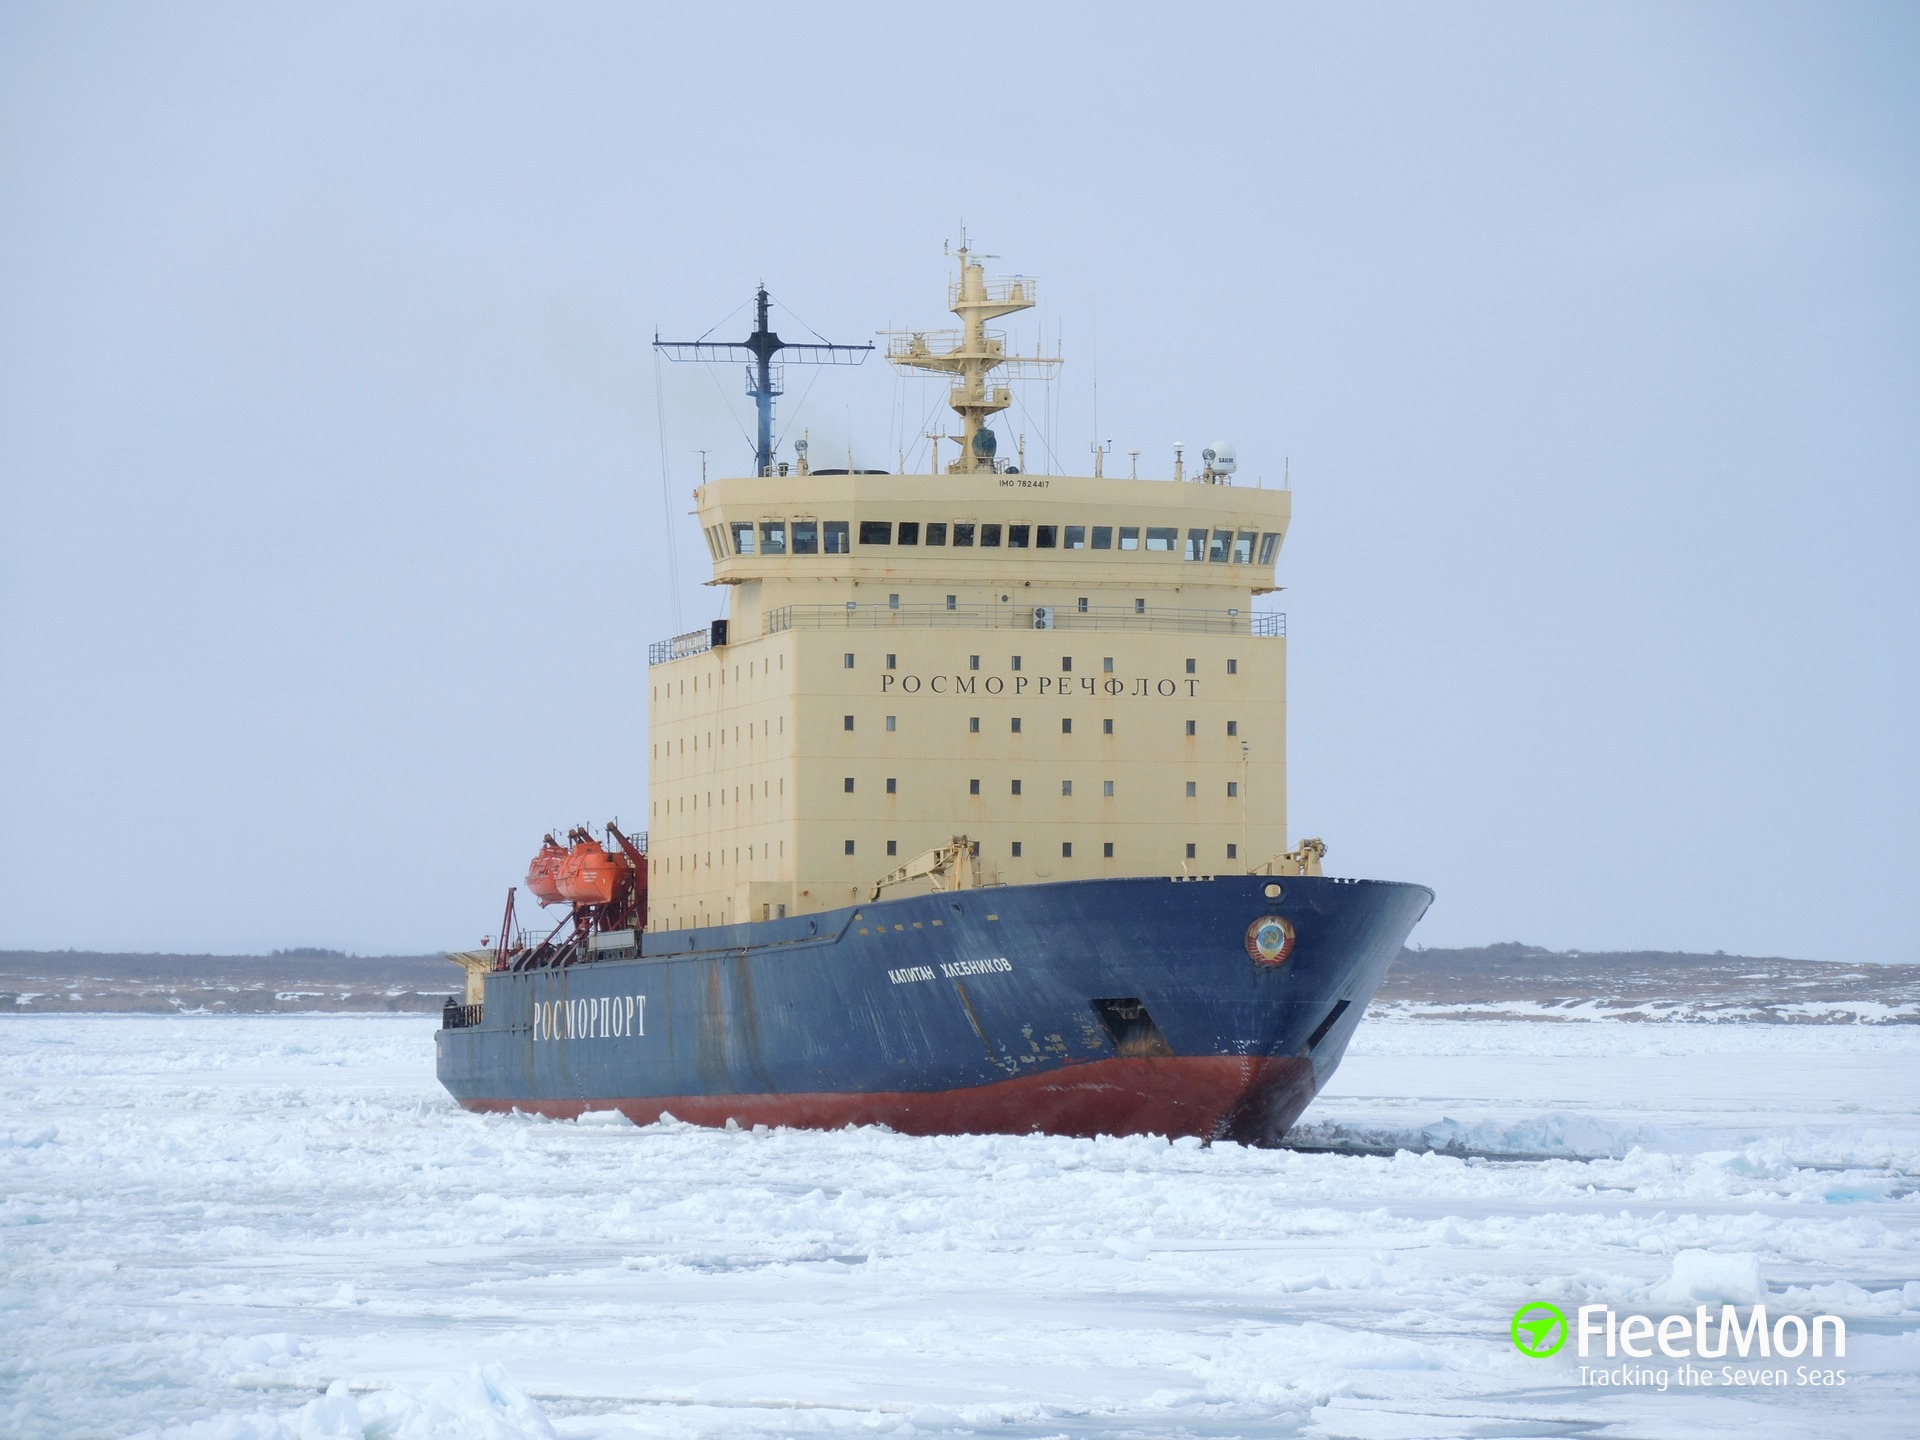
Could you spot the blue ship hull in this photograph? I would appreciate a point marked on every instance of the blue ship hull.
(1085, 1007)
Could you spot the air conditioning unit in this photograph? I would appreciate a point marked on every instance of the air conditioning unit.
(1043, 617)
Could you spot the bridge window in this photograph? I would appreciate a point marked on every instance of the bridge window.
(806, 537)
(1045, 537)
(1243, 548)
(743, 537)
(1196, 545)
(773, 537)
(937, 533)
(909, 533)
(1129, 537)
(836, 533)
(1076, 538)
(1222, 543)
(1103, 537)
(1269, 547)
(989, 536)
(1160, 537)
(963, 532)
(876, 532)
(1017, 536)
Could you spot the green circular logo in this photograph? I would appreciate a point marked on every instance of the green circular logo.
(1539, 1329)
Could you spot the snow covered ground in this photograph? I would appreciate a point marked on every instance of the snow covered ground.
(278, 1226)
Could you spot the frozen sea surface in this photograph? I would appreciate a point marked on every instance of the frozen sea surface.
(279, 1226)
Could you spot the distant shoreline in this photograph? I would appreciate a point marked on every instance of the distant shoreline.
(1507, 981)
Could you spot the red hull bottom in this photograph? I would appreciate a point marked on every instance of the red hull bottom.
(1217, 1097)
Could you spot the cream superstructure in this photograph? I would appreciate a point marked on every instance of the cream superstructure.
(1067, 670)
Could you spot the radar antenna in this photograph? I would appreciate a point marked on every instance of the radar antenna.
(764, 379)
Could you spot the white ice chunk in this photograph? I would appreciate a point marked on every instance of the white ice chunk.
(1702, 1277)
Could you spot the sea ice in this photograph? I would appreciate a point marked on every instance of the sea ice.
(268, 1227)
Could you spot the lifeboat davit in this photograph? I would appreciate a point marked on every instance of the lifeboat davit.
(543, 875)
(590, 875)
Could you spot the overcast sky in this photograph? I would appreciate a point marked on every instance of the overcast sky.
(331, 509)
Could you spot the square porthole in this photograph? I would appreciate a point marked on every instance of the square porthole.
(846, 785)
(973, 724)
(1066, 726)
(1107, 851)
(1193, 789)
(1016, 849)
(1193, 727)
(1106, 727)
(893, 847)
(1189, 850)
(1016, 787)
(1066, 850)
(973, 787)
(849, 846)
(892, 785)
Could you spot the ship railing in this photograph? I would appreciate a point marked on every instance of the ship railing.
(460, 1017)
(1158, 619)
(1022, 289)
(694, 642)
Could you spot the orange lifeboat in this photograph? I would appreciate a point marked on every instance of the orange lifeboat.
(543, 875)
(590, 875)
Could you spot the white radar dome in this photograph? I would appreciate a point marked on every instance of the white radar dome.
(1223, 459)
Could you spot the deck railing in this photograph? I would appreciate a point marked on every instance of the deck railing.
(460, 1017)
(1267, 623)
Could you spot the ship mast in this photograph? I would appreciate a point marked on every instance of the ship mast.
(764, 379)
(971, 354)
